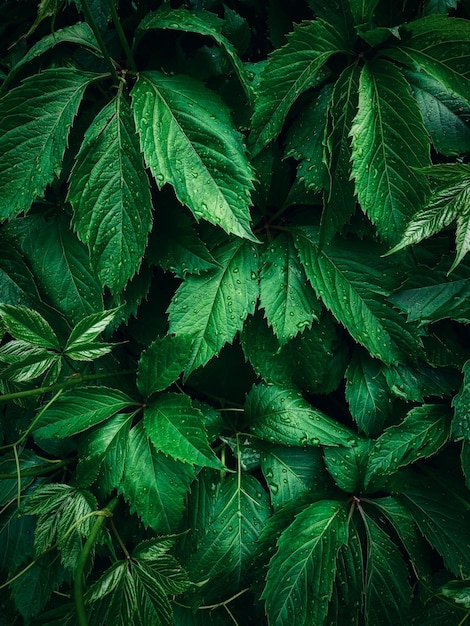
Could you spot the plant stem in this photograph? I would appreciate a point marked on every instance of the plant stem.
(75, 379)
(99, 38)
(83, 559)
(122, 36)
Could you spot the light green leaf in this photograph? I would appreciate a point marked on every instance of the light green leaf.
(446, 528)
(347, 465)
(28, 326)
(205, 23)
(421, 434)
(26, 361)
(305, 140)
(355, 290)
(389, 141)
(35, 120)
(387, 591)
(461, 405)
(162, 363)
(458, 591)
(445, 115)
(78, 409)
(237, 512)
(362, 10)
(289, 301)
(103, 452)
(300, 577)
(176, 428)
(367, 393)
(213, 306)
(294, 474)
(154, 484)
(80, 34)
(110, 196)
(189, 141)
(60, 265)
(281, 415)
(81, 339)
(446, 58)
(340, 201)
(291, 70)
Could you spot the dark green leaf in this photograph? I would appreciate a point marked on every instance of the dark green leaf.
(362, 10)
(35, 122)
(186, 135)
(113, 596)
(461, 404)
(163, 362)
(300, 578)
(348, 466)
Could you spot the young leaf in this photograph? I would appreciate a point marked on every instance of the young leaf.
(176, 428)
(213, 306)
(389, 142)
(238, 511)
(35, 120)
(387, 591)
(289, 301)
(29, 326)
(162, 363)
(113, 216)
(367, 393)
(290, 71)
(189, 141)
(103, 452)
(79, 409)
(154, 484)
(300, 578)
(281, 415)
(355, 292)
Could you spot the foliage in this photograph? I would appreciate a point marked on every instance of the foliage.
(234, 294)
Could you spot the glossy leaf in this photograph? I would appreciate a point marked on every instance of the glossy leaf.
(36, 118)
(163, 362)
(300, 577)
(389, 142)
(281, 415)
(348, 466)
(461, 404)
(288, 300)
(29, 326)
(290, 71)
(77, 410)
(154, 484)
(186, 135)
(212, 307)
(176, 428)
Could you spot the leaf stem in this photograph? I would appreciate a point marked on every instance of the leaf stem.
(122, 36)
(105, 513)
(99, 38)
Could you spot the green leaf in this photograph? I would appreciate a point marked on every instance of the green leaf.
(348, 466)
(367, 393)
(87, 330)
(340, 201)
(113, 216)
(458, 591)
(153, 606)
(465, 462)
(212, 307)
(461, 405)
(445, 115)
(60, 265)
(290, 71)
(17, 284)
(305, 140)
(446, 58)
(162, 363)
(362, 10)
(237, 512)
(294, 474)
(35, 122)
(80, 34)
(356, 293)
(154, 484)
(388, 142)
(103, 453)
(387, 591)
(29, 326)
(422, 433)
(300, 577)
(78, 409)
(186, 134)
(447, 528)
(113, 596)
(281, 415)
(176, 428)
(432, 7)
(421, 381)
(205, 23)
(288, 300)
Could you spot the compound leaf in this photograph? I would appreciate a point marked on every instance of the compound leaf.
(29, 326)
